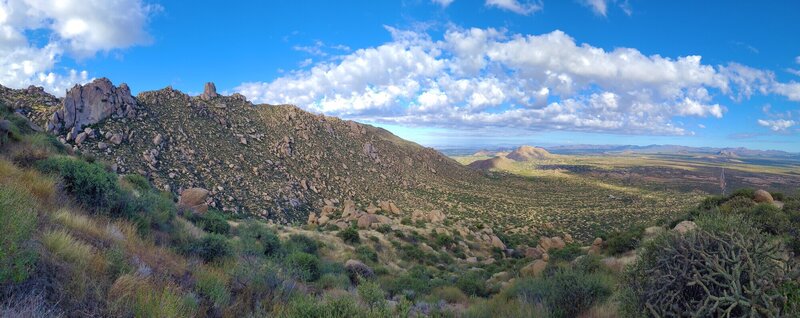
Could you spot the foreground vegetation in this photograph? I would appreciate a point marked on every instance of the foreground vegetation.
(80, 240)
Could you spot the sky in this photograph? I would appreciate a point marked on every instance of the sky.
(446, 73)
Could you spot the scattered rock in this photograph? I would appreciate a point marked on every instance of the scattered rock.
(762, 196)
(497, 243)
(534, 269)
(597, 246)
(684, 227)
(194, 199)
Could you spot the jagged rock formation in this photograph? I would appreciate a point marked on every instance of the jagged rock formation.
(274, 161)
(528, 153)
(91, 104)
(33, 103)
(499, 162)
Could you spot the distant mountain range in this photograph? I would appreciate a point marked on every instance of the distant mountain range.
(650, 149)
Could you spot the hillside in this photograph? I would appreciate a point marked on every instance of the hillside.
(275, 161)
(528, 153)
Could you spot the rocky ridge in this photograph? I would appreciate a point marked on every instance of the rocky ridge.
(274, 161)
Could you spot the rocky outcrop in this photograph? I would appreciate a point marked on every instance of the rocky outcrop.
(534, 269)
(90, 104)
(209, 91)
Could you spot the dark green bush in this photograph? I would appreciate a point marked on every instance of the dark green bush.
(366, 253)
(138, 182)
(349, 235)
(568, 253)
(567, 293)
(304, 266)
(302, 243)
(212, 247)
(214, 221)
(256, 239)
(621, 242)
(744, 192)
(150, 210)
(737, 204)
(769, 218)
(414, 282)
(472, 283)
(93, 187)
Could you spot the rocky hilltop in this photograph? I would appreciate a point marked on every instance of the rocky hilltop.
(274, 161)
(528, 153)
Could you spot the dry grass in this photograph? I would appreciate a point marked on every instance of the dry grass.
(136, 296)
(81, 225)
(68, 248)
(40, 186)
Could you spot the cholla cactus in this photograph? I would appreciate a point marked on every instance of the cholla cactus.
(710, 274)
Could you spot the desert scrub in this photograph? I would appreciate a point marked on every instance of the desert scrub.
(18, 219)
(702, 273)
(301, 243)
(620, 242)
(136, 296)
(366, 253)
(349, 235)
(372, 295)
(212, 247)
(304, 266)
(214, 221)
(257, 239)
(212, 284)
(93, 186)
(567, 293)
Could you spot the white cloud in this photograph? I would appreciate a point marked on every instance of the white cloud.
(600, 7)
(701, 126)
(76, 28)
(443, 3)
(797, 59)
(478, 78)
(520, 7)
(777, 125)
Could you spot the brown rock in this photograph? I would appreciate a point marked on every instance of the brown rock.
(92, 103)
(358, 271)
(762, 196)
(209, 91)
(496, 242)
(684, 227)
(366, 220)
(533, 253)
(534, 269)
(372, 209)
(194, 199)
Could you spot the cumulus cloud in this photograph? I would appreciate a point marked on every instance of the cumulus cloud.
(443, 3)
(777, 125)
(516, 6)
(76, 28)
(479, 78)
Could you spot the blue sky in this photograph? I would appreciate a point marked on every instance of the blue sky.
(446, 73)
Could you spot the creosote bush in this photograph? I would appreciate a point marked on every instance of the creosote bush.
(349, 235)
(93, 186)
(305, 266)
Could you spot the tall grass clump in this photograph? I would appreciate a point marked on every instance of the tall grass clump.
(18, 220)
(136, 296)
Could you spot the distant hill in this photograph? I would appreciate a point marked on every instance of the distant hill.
(528, 153)
(499, 162)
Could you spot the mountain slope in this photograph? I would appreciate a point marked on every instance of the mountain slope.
(270, 160)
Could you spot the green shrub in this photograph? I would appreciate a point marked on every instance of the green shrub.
(372, 295)
(366, 253)
(257, 239)
(444, 240)
(150, 210)
(138, 182)
(301, 243)
(744, 192)
(304, 306)
(17, 222)
(349, 235)
(769, 218)
(410, 284)
(702, 273)
(737, 204)
(304, 266)
(568, 253)
(211, 284)
(567, 293)
(331, 281)
(384, 228)
(212, 247)
(472, 283)
(621, 242)
(214, 221)
(93, 187)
